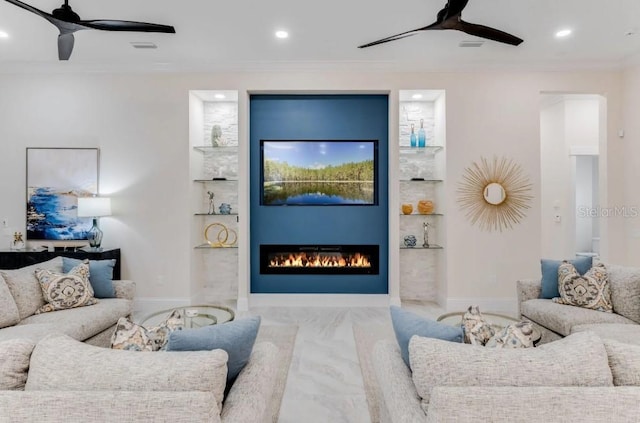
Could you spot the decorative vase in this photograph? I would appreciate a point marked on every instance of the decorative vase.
(413, 138)
(425, 206)
(410, 241)
(216, 136)
(225, 208)
(407, 208)
(422, 136)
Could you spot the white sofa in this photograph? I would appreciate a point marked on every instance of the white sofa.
(59, 379)
(21, 296)
(606, 389)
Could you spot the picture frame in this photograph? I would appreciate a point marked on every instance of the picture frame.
(55, 178)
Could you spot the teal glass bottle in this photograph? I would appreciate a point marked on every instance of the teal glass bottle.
(422, 136)
(414, 140)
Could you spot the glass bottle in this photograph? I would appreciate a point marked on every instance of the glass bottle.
(414, 141)
(422, 136)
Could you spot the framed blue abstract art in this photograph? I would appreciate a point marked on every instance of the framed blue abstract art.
(56, 177)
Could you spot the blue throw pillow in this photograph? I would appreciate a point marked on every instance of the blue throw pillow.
(100, 275)
(236, 338)
(550, 274)
(407, 324)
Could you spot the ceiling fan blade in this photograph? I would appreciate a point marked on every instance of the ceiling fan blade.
(65, 45)
(453, 8)
(114, 25)
(402, 35)
(487, 32)
(30, 8)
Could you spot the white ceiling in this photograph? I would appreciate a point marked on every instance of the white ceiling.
(239, 34)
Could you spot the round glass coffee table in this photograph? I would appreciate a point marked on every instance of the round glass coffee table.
(498, 321)
(195, 316)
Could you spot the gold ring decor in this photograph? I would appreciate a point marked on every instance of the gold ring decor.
(222, 237)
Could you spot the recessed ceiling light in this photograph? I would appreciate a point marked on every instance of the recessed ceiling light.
(282, 34)
(563, 33)
(416, 96)
(4, 34)
(219, 96)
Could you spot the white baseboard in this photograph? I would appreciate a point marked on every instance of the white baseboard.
(507, 306)
(319, 300)
(243, 304)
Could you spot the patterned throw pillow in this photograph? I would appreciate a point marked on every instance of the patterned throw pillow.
(476, 329)
(62, 291)
(590, 291)
(134, 337)
(515, 335)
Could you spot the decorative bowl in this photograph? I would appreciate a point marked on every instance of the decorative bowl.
(425, 206)
(407, 208)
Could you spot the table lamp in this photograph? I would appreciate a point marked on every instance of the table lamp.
(94, 207)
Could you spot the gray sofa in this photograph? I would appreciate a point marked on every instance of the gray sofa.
(557, 320)
(598, 385)
(21, 296)
(59, 379)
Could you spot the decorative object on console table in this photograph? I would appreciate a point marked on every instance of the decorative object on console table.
(495, 194)
(94, 207)
(56, 177)
(17, 243)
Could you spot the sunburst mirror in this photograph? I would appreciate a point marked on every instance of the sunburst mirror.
(494, 194)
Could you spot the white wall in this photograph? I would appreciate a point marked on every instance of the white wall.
(141, 124)
(631, 145)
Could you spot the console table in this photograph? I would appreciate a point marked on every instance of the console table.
(10, 259)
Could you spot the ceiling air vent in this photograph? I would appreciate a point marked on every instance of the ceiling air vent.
(477, 43)
(143, 44)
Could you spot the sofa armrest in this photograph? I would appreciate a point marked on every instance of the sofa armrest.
(399, 394)
(527, 404)
(125, 289)
(528, 289)
(251, 393)
(107, 406)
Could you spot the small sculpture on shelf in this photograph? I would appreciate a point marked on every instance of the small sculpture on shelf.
(212, 208)
(410, 241)
(225, 208)
(425, 228)
(216, 136)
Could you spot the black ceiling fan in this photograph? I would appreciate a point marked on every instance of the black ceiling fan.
(450, 17)
(68, 22)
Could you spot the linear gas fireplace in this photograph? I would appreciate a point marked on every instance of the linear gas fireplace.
(319, 259)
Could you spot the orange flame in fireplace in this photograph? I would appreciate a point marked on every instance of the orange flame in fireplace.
(319, 260)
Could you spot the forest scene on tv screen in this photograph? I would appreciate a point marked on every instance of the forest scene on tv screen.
(318, 173)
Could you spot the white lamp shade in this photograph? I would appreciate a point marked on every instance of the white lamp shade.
(94, 206)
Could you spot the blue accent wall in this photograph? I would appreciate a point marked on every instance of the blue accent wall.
(319, 117)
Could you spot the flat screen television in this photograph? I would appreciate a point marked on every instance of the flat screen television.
(319, 172)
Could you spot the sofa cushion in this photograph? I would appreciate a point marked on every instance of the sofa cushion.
(407, 324)
(625, 291)
(84, 322)
(561, 318)
(590, 290)
(9, 314)
(236, 338)
(14, 365)
(628, 334)
(440, 363)
(550, 274)
(33, 332)
(62, 291)
(25, 288)
(60, 363)
(624, 360)
(100, 277)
